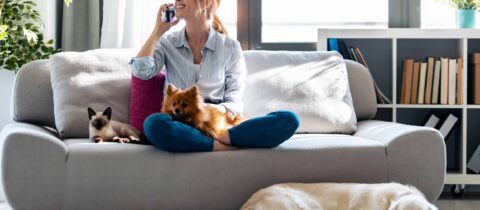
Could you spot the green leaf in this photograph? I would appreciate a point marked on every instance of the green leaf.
(30, 35)
(3, 32)
(68, 2)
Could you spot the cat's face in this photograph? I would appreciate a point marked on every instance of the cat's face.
(99, 120)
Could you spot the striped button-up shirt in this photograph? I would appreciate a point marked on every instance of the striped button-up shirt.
(220, 75)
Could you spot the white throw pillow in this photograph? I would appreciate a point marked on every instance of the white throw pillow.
(314, 85)
(97, 78)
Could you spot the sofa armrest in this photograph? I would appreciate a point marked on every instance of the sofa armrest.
(415, 154)
(33, 166)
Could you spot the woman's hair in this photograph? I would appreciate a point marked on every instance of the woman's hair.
(212, 12)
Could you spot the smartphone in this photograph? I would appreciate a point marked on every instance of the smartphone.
(169, 15)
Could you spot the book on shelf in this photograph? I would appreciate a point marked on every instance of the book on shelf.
(448, 125)
(415, 81)
(475, 61)
(343, 50)
(407, 74)
(429, 82)
(421, 83)
(436, 82)
(459, 80)
(452, 82)
(332, 44)
(444, 81)
(354, 56)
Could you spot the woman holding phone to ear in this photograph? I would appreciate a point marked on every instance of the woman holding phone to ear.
(202, 54)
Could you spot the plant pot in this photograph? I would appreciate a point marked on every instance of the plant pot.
(7, 79)
(466, 18)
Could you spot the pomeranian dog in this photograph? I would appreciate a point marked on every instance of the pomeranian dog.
(187, 106)
(102, 128)
(339, 196)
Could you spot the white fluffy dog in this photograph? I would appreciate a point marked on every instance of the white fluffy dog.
(333, 196)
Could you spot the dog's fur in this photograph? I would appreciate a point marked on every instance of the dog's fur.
(337, 196)
(188, 107)
(102, 128)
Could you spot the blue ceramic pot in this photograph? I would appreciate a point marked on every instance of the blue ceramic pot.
(466, 18)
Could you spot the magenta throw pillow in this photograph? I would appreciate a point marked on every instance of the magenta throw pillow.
(146, 98)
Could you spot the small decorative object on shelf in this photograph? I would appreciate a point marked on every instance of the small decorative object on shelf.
(466, 12)
(474, 162)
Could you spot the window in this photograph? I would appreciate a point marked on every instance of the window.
(435, 14)
(227, 12)
(283, 21)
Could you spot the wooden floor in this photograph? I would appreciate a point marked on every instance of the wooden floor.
(468, 201)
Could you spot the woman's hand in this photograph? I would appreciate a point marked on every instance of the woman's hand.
(219, 107)
(160, 26)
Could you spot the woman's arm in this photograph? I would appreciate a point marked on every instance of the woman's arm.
(235, 74)
(151, 58)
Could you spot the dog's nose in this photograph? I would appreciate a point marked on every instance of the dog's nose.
(177, 111)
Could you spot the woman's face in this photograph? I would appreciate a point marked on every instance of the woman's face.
(189, 9)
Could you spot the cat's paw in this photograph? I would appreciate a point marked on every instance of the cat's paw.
(134, 138)
(97, 140)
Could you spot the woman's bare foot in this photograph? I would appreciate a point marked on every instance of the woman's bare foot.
(224, 138)
(218, 146)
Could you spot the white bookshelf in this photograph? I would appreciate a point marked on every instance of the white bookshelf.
(392, 46)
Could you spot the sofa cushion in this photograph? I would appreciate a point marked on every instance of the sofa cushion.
(312, 84)
(97, 78)
(146, 98)
(130, 176)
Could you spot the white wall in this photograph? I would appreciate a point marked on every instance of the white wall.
(47, 9)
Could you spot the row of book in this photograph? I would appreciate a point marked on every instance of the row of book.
(432, 82)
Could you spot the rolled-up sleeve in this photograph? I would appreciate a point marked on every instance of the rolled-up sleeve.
(147, 67)
(235, 74)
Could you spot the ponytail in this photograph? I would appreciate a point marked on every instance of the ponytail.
(218, 25)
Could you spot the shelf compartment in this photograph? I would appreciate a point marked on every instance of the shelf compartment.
(473, 133)
(453, 142)
(378, 56)
(420, 49)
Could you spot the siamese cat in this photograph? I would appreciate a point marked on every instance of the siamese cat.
(102, 128)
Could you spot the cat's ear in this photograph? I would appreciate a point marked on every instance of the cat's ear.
(108, 113)
(91, 113)
(171, 89)
(193, 91)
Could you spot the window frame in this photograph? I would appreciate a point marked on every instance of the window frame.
(249, 24)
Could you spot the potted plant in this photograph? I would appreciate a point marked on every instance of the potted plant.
(466, 12)
(21, 41)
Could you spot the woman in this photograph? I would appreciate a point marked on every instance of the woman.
(202, 54)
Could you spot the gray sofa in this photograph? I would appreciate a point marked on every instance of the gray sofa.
(40, 171)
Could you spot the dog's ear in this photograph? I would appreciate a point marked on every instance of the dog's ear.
(171, 89)
(91, 113)
(108, 113)
(193, 91)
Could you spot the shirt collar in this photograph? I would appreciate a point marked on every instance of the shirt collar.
(211, 44)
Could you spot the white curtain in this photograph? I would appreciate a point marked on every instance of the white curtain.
(129, 23)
